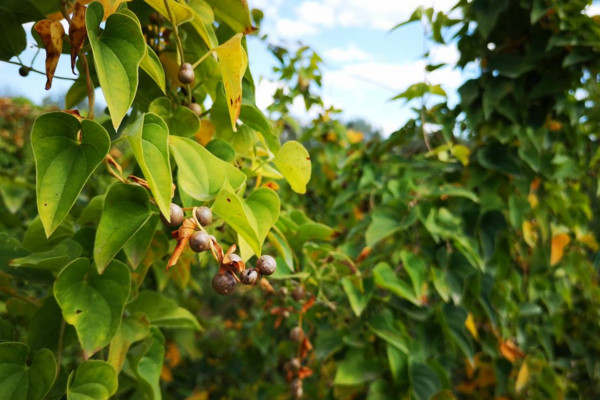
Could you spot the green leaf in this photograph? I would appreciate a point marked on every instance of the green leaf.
(202, 22)
(118, 51)
(383, 325)
(35, 238)
(357, 296)
(181, 12)
(151, 64)
(235, 13)
(149, 141)
(415, 266)
(293, 161)
(386, 278)
(20, 381)
(162, 311)
(255, 119)
(221, 149)
(93, 380)
(66, 154)
(53, 259)
(251, 218)
(93, 303)
(201, 174)
(147, 362)
(181, 121)
(355, 369)
(136, 247)
(385, 222)
(134, 328)
(126, 210)
(13, 40)
(45, 327)
(14, 193)
(423, 380)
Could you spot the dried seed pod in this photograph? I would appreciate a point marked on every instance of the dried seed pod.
(249, 276)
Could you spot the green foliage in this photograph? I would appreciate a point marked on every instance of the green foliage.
(455, 259)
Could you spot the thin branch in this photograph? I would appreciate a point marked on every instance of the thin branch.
(90, 86)
(39, 72)
(14, 293)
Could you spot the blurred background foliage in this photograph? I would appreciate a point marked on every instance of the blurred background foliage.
(455, 259)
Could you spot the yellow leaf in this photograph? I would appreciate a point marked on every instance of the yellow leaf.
(355, 136)
(533, 200)
(558, 245)
(589, 240)
(470, 325)
(293, 161)
(233, 62)
(170, 65)
(522, 378)
(181, 12)
(510, 350)
(110, 6)
(461, 153)
(205, 133)
(51, 33)
(529, 234)
(196, 395)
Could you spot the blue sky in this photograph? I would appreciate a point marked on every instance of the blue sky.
(364, 63)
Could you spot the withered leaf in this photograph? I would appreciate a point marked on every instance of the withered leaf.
(52, 33)
(77, 32)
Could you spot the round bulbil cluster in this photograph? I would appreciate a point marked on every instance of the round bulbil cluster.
(247, 276)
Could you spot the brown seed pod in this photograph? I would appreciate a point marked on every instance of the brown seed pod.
(203, 215)
(224, 283)
(296, 334)
(175, 216)
(186, 74)
(200, 241)
(249, 276)
(266, 265)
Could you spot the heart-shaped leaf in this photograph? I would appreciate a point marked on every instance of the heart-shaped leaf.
(126, 209)
(294, 163)
(93, 303)
(162, 311)
(233, 62)
(251, 218)
(134, 328)
(147, 361)
(66, 153)
(385, 278)
(93, 380)
(53, 259)
(201, 174)
(149, 141)
(118, 51)
(181, 121)
(22, 381)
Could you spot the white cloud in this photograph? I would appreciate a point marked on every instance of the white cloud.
(592, 9)
(349, 53)
(447, 54)
(290, 29)
(317, 13)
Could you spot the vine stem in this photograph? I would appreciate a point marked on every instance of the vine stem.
(20, 296)
(39, 72)
(204, 57)
(90, 87)
(60, 347)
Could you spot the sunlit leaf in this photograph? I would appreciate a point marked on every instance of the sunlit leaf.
(233, 62)
(51, 33)
(294, 163)
(558, 245)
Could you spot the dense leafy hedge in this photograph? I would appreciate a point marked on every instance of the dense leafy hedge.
(457, 258)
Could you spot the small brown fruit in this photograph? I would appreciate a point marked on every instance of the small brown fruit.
(24, 71)
(224, 283)
(195, 107)
(249, 276)
(298, 293)
(200, 241)
(266, 265)
(175, 216)
(296, 334)
(186, 74)
(203, 215)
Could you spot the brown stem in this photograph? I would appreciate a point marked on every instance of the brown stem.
(90, 87)
(110, 162)
(14, 293)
